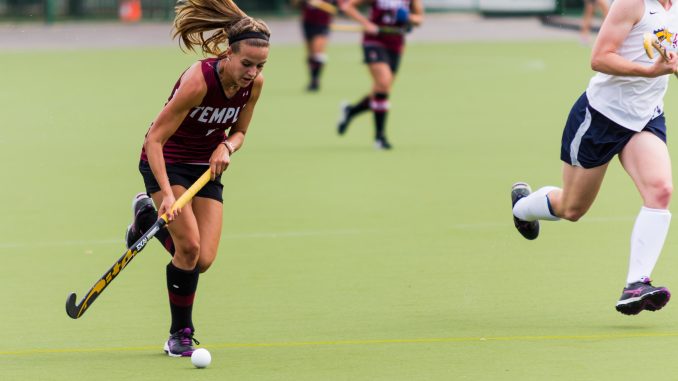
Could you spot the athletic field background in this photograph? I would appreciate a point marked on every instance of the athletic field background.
(337, 262)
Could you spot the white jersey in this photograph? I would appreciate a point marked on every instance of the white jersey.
(633, 101)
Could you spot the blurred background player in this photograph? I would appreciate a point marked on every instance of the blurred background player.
(620, 113)
(382, 53)
(587, 17)
(202, 124)
(316, 18)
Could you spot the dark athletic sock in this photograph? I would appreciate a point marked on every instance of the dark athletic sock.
(315, 67)
(359, 107)
(380, 107)
(181, 286)
(145, 220)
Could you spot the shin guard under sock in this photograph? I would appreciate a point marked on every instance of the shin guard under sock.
(181, 287)
(380, 106)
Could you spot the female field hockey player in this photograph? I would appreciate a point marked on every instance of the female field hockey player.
(316, 18)
(201, 126)
(587, 17)
(620, 113)
(382, 54)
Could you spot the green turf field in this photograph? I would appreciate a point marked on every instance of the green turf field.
(338, 262)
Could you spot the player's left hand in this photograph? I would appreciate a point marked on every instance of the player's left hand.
(371, 28)
(219, 161)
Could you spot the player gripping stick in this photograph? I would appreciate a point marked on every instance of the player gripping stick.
(201, 126)
(382, 53)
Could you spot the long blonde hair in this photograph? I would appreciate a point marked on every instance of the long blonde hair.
(195, 18)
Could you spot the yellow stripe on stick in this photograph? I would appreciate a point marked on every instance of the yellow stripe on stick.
(347, 27)
(323, 6)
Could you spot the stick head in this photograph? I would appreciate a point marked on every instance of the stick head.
(648, 41)
(71, 308)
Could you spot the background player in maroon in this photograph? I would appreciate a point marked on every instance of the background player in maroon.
(202, 124)
(382, 53)
(315, 23)
(587, 17)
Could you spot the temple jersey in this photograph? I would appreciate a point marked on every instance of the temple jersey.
(634, 101)
(383, 13)
(205, 126)
(315, 16)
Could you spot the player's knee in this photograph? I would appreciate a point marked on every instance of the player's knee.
(660, 195)
(382, 84)
(382, 87)
(189, 249)
(573, 213)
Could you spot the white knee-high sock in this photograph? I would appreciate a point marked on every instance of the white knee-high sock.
(647, 240)
(535, 206)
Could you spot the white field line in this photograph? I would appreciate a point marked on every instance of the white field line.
(290, 234)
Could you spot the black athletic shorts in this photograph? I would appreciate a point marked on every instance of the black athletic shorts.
(312, 30)
(591, 139)
(375, 53)
(184, 175)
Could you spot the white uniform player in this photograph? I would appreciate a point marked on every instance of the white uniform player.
(621, 113)
(633, 101)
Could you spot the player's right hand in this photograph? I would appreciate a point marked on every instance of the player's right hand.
(371, 28)
(663, 67)
(166, 207)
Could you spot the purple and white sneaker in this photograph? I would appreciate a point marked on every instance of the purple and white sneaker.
(642, 295)
(180, 343)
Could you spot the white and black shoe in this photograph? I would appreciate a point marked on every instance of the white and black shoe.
(528, 229)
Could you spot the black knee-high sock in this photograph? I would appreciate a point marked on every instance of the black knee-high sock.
(359, 107)
(181, 286)
(315, 66)
(145, 220)
(380, 109)
(165, 239)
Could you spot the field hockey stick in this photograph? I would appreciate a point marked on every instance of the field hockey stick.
(75, 311)
(323, 6)
(359, 28)
(651, 43)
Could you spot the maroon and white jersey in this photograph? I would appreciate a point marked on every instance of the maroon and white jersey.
(205, 126)
(315, 16)
(383, 13)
